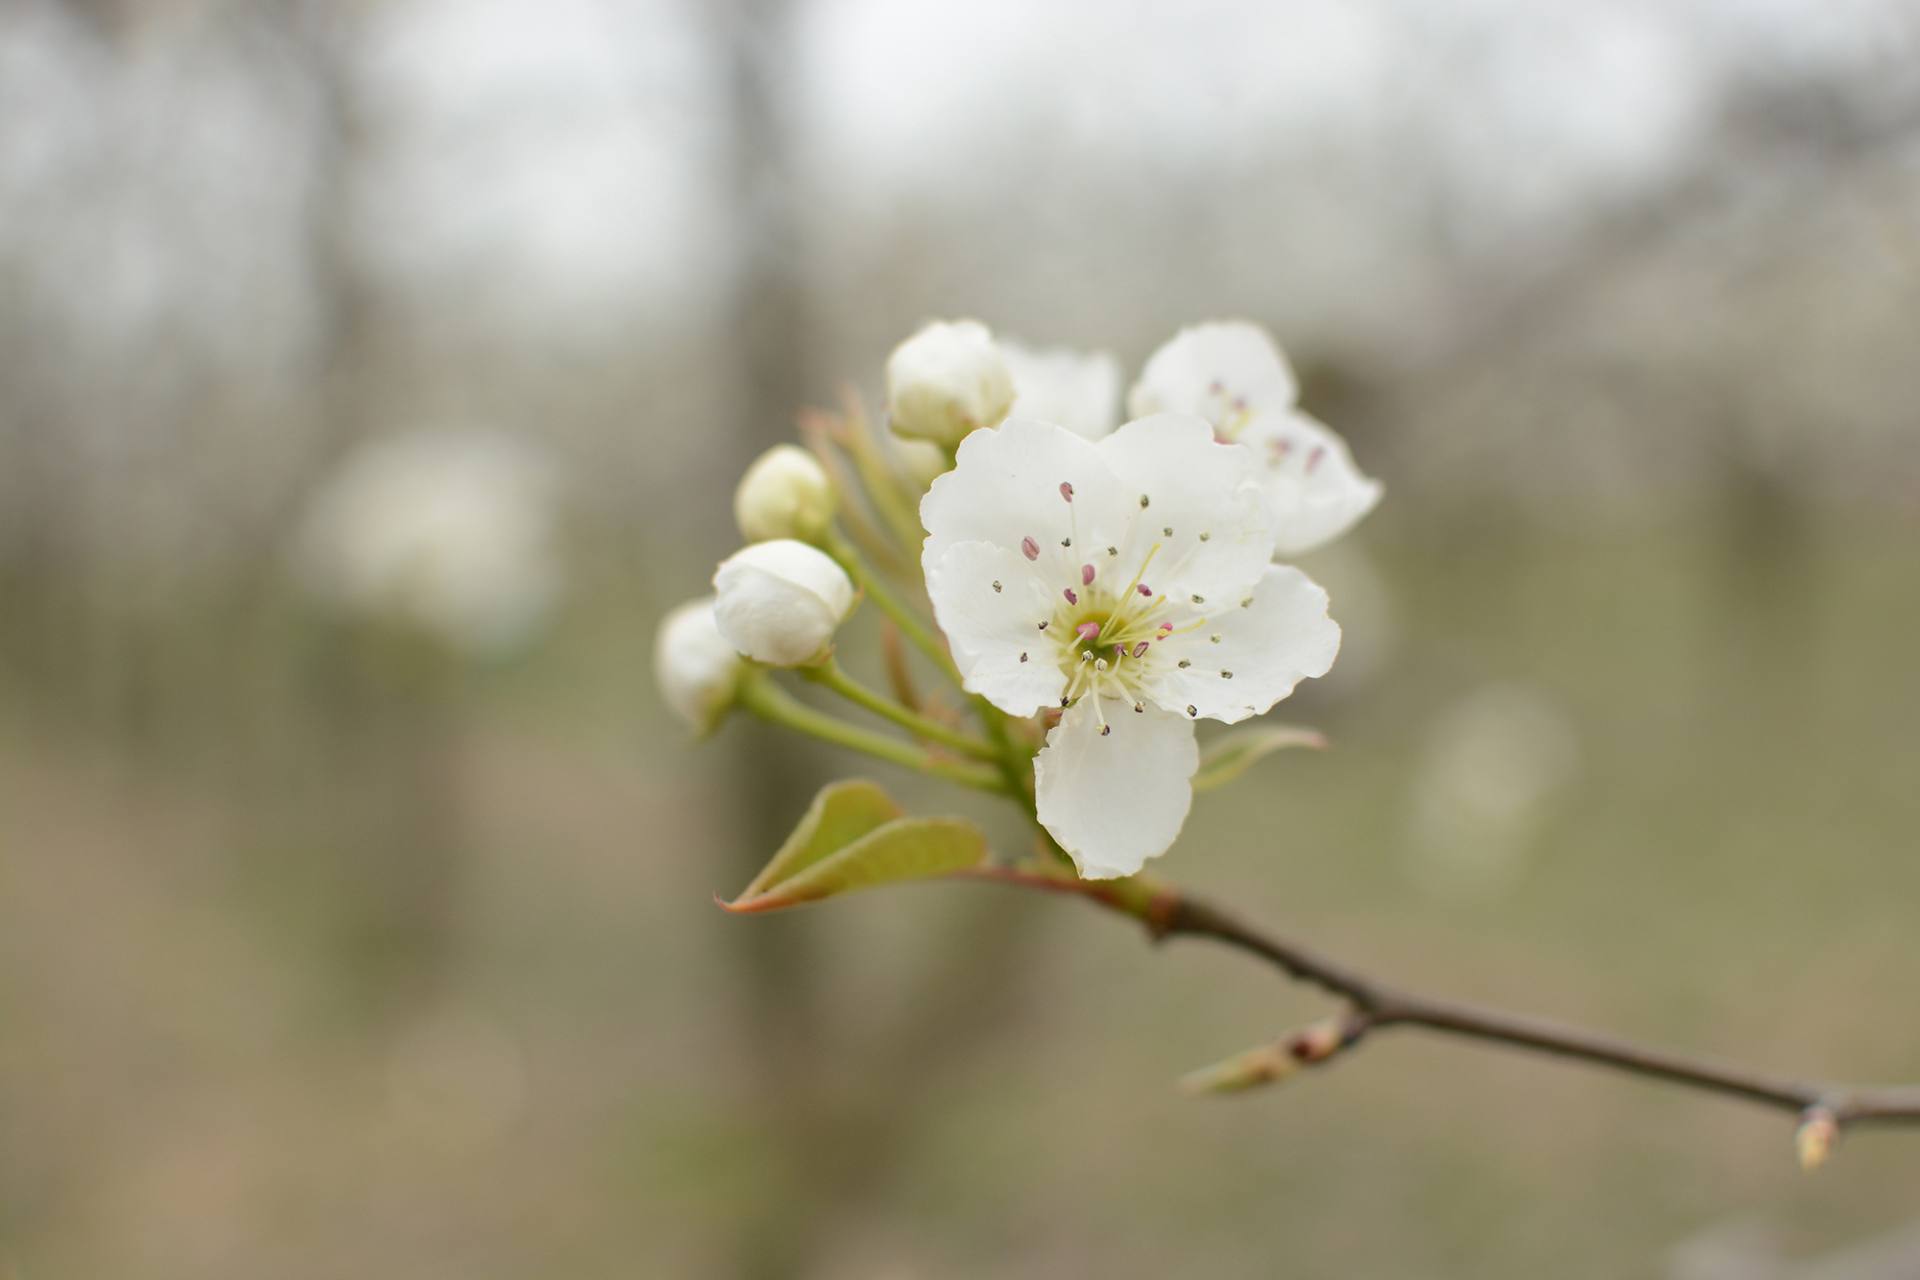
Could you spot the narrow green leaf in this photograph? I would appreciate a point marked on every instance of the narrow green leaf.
(1232, 754)
(839, 815)
(904, 849)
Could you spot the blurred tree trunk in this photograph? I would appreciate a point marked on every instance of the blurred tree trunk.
(391, 705)
(764, 326)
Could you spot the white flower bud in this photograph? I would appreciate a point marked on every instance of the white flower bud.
(946, 381)
(697, 670)
(784, 494)
(779, 602)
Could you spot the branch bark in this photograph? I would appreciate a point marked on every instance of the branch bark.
(1166, 912)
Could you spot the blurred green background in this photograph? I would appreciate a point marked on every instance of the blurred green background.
(361, 924)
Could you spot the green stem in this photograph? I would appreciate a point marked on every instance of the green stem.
(883, 487)
(1015, 764)
(764, 698)
(910, 623)
(830, 674)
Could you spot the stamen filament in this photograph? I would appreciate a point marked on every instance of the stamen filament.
(1119, 616)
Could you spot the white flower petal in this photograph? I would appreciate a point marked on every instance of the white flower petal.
(1316, 490)
(1079, 390)
(1005, 487)
(1207, 493)
(990, 602)
(1243, 660)
(1221, 371)
(1115, 800)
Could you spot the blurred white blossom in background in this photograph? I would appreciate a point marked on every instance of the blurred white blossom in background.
(1492, 765)
(450, 531)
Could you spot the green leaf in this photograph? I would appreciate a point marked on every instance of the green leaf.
(1232, 754)
(839, 815)
(852, 838)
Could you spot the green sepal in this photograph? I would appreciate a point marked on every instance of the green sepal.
(1232, 754)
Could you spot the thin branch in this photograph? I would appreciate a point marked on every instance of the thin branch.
(1168, 912)
(911, 624)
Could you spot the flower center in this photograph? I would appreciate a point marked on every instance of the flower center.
(1106, 633)
(1107, 630)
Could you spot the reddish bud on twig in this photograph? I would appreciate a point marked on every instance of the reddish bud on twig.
(1310, 1046)
(1317, 1042)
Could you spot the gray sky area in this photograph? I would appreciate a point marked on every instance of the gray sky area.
(534, 207)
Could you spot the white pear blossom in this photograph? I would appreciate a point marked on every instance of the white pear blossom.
(780, 602)
(1128, 581)
(697, 670)
(451, 531)
(947, 380)
(1078, 390)
(784, 494)
(1232, 374)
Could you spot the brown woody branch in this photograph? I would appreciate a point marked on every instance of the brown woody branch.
(1169, 912)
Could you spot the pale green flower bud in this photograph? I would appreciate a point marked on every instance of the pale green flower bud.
(946, 381)
(784, 494)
